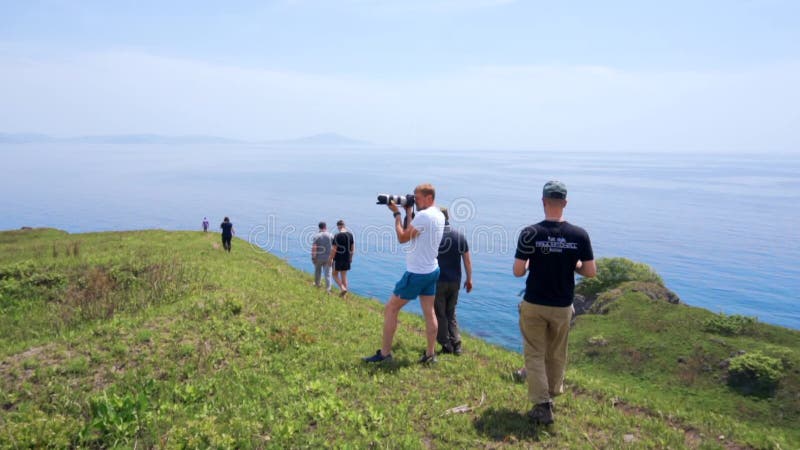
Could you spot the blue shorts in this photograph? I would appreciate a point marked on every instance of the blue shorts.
(415, 284)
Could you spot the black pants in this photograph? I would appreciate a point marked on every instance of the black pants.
(445, 307)
(226, 242)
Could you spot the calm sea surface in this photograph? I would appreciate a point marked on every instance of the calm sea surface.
(723, 231)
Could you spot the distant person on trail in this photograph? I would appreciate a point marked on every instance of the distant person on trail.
(205, 224)
(422, 271)
(227, 234)
(344, 246)
(321, 256)
(550, 252)
(452, 250)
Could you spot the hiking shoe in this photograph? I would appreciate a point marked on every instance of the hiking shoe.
(446, 349)
(377, 357)
(457, 349)
(541, 414)
(427, 359)
(343, 294)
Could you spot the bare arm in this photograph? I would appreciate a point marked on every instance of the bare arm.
(313, 251)
(468, 269)
(586, 269)
(403, 234)
(520, 267)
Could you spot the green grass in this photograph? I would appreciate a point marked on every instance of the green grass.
(659, 358)
(159, 339)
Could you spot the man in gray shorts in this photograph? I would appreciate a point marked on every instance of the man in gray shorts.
(321, 256)
(422, 271)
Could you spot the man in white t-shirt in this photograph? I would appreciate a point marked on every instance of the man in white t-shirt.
(422, 271)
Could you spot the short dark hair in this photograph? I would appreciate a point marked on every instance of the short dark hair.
(340, 223)
(226, 219)
(323, 225)
(562, 202)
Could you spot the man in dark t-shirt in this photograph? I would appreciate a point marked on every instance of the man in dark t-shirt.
(342, 256)
(227, 234)
(452, 250)
(550, 252)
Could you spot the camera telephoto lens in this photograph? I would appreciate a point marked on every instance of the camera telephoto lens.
(401, 200)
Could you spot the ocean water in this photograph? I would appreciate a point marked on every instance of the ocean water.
(722, 230)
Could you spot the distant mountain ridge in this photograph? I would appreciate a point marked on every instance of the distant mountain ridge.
(151, 139)
(321, 139)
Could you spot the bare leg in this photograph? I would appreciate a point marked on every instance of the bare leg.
(390, 313)
(344, 280)
(337, 279)
(431, 325)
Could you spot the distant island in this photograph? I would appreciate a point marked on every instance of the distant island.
(320, 139)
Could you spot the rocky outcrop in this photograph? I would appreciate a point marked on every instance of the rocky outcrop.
(598, 304)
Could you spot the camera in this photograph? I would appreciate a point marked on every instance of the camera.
(401, 200)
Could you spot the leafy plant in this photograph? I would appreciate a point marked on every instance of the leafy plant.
(116, 419)
(233, 306)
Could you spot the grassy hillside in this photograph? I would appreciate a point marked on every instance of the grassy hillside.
(159, 339)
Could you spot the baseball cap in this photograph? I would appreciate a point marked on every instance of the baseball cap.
(554, 189)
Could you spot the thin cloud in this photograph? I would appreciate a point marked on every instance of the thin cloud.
(411, 6)
(540, 107)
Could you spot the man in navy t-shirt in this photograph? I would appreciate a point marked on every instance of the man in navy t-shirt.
(227, 234)
(550, 252)
(452, 250)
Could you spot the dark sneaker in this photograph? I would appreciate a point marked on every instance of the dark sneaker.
(446, 349)
(427, 359)
(541, 414)
(457, 348)
(377, 357)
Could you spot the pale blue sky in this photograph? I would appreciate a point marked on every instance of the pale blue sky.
(574, 75)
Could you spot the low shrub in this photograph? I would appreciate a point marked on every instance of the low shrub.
(730, 325)
(784, 355)
(755, 374)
